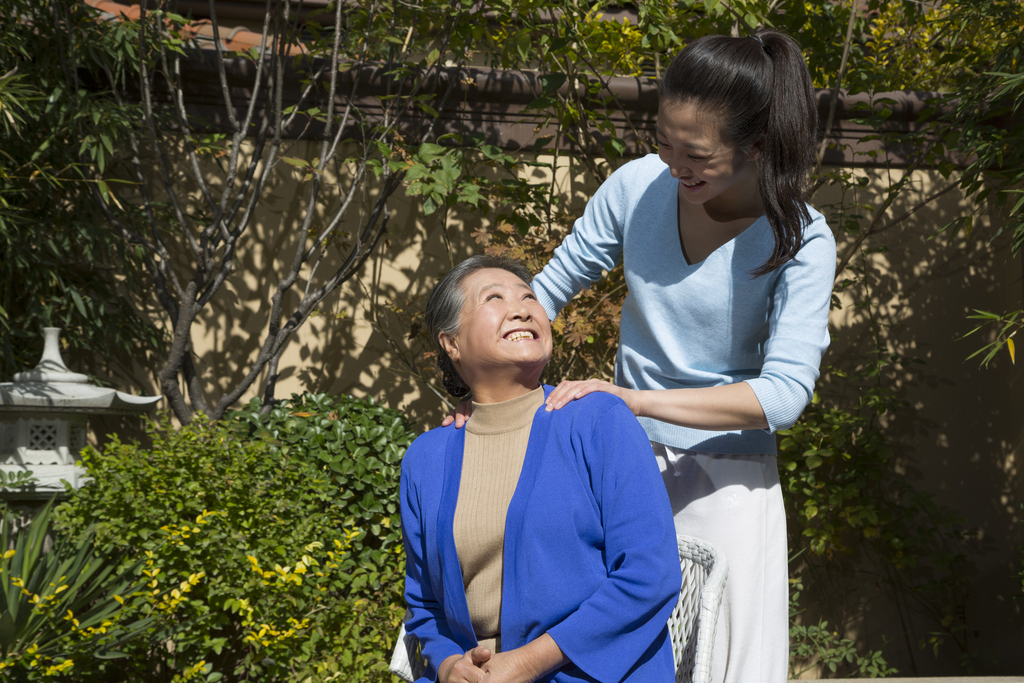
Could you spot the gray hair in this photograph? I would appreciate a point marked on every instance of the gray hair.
(444, 309)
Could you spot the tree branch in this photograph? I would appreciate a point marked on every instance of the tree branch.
(834, 95)
(874, 229)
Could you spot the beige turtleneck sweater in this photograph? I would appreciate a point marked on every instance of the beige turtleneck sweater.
(496, 440)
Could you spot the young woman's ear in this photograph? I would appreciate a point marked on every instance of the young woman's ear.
(755, 150)
(450, 345)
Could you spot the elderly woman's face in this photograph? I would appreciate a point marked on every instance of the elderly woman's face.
(502, 324)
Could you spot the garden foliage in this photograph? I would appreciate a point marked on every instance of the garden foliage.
(289, 533)
(846, 497)
(66, 611)
(359, 447)
(816, 646)
(59, 138)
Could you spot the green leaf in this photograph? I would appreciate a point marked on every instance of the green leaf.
(429, 205)
(430, 151)
(614, 147)
(523, 45)
(552, 82)
(79, 304)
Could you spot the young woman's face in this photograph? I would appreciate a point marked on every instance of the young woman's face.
(503, 326)
(709, 168)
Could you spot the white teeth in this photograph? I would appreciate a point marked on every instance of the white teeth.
(516, 336)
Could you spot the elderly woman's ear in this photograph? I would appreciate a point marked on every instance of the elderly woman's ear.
(450, 345)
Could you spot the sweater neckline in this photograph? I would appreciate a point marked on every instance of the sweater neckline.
(506, 416)
(682, 245)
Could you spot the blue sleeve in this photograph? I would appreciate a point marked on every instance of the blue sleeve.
(613, 629)
(426, 618)
(593, 248)
(797, 329)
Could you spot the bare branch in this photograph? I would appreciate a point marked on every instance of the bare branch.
(278, 337)
(157, 246)
(162, 165)
(834, 95)
(176, 401)
(874, 228)
(178, 102)
(193, 383)
(219, 52)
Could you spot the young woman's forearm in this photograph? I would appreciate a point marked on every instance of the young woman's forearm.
(723, 408)
(727, 407)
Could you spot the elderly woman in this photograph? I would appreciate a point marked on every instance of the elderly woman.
(540, 545)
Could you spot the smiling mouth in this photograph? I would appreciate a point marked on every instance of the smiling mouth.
(519, 335)
(693, 184)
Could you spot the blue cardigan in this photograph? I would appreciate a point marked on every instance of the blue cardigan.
(590, 551)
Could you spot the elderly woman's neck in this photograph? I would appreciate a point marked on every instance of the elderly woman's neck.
(497, 391)
(496, 395)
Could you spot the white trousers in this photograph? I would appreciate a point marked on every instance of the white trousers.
(735, 502)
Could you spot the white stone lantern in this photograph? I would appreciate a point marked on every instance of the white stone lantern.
(44, 420)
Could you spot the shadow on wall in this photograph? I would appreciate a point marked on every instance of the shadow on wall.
(960, 437)
(420, 250)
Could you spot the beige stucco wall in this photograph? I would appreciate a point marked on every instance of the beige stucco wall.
(341, 349)
(961, 438)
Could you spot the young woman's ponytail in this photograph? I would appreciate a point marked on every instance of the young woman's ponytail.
(760, 86)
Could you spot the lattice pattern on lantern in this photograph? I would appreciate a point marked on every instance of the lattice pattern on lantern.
(76, 440)
(8, 437)
(42, 437)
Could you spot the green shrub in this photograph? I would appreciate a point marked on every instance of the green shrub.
(818, 647)
(65, 611)
(358, 445)
(301, 576)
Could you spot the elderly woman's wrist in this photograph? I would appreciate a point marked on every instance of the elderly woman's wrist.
(542, 656)
(445, 668)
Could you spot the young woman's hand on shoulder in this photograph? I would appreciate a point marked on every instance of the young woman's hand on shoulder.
(570, 390)
(459, 414)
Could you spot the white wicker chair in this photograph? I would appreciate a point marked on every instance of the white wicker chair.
(406, 661)
(692, 623)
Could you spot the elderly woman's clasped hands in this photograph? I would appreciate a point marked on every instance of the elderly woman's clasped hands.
(525, 664)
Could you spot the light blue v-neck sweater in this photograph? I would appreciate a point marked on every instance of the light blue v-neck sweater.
(705, 324)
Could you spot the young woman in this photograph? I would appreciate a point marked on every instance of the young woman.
(539, 545)
(730, 276)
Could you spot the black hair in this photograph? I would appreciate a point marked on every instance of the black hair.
(761, 87)
(444, 309)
